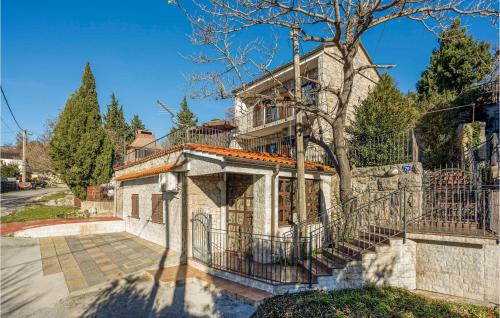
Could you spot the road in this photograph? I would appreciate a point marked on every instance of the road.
(11, 201)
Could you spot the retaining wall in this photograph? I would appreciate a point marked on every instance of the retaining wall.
(80, 228)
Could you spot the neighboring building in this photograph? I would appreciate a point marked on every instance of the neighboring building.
(143, 145)
(9, 155)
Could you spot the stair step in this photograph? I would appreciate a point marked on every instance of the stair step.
(317, 268)
(384, 230)
(373, 236)
(339, 256)
(367, 243)
(328, 262)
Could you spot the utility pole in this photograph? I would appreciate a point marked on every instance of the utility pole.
(299, 131)
(23, 173)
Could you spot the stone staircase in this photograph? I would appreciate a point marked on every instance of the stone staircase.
(373, 256)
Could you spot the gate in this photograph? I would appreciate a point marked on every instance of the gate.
(454, 201)
(202, 238)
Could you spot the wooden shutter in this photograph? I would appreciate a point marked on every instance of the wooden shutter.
(313, 190)
(135, 206)
(157, 208)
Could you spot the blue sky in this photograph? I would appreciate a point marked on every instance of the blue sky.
(135, 49)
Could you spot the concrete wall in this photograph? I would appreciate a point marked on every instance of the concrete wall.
(458, 266)
(83, 228)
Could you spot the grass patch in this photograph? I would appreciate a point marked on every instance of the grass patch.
(368, 302)
(39, 212)
(54, 196)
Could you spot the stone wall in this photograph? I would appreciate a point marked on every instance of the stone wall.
(167, 234)
(459, 266)
(205, 194)
(389, 265)
(385, 179)
(97, 207)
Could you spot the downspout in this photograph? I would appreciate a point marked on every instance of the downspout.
(276, 171)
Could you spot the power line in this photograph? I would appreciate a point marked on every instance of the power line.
(7, 126)
(10, 109)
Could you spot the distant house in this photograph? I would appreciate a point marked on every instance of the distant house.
(143, 145)
(9, 155)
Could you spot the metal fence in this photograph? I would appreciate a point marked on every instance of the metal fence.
(383, 149)
(262, 257)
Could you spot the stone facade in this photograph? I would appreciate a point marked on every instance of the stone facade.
(459, 266)
(205, 194)
(167, 234)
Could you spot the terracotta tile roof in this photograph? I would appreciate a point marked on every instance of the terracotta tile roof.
(229, 152)
(252, 155)
(148, 172)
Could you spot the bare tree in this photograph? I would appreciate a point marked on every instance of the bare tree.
(222, 26)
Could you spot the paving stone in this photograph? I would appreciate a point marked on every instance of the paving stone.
(102, 260)
(133, 263)
(76, 284)
(109, 267)
(134, 255)
(73, 274)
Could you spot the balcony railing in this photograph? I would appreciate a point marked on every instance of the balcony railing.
(263, 116)
(273, 144)
(489, 93)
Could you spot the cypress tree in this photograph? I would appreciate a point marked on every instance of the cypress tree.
(459, 62)
(135, 125)
(81, 152)
(116, 126)
(185, 118)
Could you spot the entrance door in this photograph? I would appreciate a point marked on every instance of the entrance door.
(239, 218)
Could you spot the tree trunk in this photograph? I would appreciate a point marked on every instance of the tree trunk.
(339, 141)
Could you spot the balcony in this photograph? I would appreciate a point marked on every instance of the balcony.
(273, 144)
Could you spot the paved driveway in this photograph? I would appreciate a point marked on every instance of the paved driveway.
(81, 276)
(91, 260)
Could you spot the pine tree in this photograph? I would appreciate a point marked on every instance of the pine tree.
(381, 124)
(459, 62)
(116, 126)
(185, 118)
(384, 111)
(81, 152)
(135, 125)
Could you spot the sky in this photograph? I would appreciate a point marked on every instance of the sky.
(137, 50)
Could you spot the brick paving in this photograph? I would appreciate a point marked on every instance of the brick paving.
(90, 260)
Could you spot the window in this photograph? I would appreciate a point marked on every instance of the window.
(135, 206)
(157, 208)
(257, 115)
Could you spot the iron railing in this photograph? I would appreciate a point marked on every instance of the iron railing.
(262, 257)
(273, 144)
(383, 149)
(489, 93)
(262, 116)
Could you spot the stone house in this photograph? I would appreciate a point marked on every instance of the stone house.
(223, 198)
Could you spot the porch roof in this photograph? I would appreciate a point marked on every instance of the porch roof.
(148, 172)
(256, 156)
